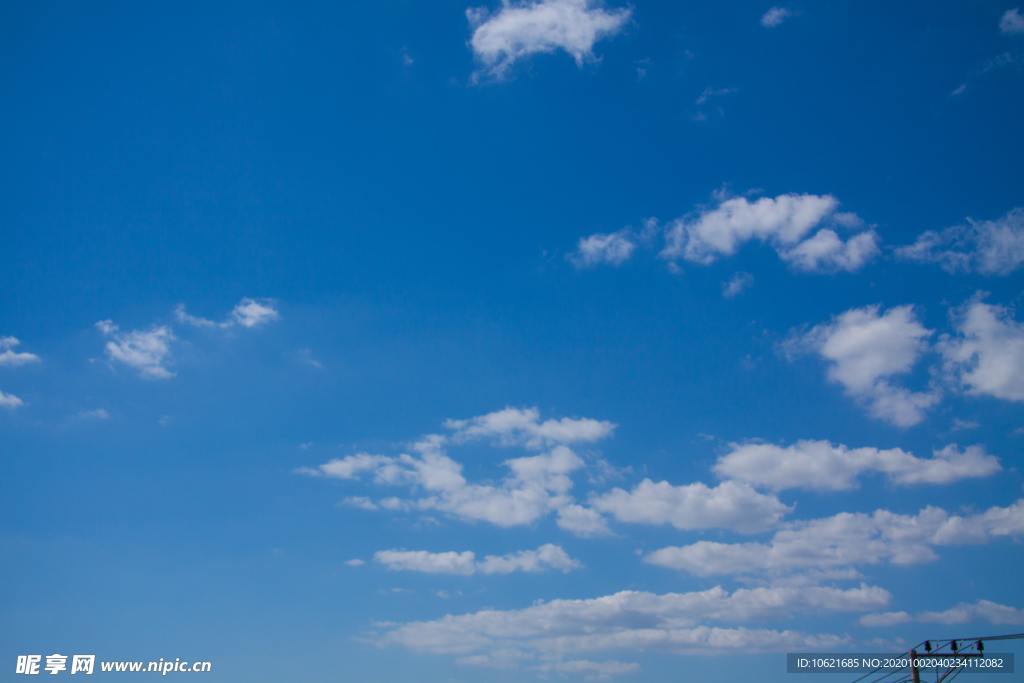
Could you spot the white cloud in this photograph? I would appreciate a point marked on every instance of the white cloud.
(349, 467)
(10, 401)
(823, 466)
(865, 349)
(556, 633)
(709, 93)
(987, 355)
(248, 313)
(12, 358)
(521, 29)
(827, 251)
(972, 612)
(785, 222)
(355, 562)
(546, 557)
(96, 414)
(431, 563)
(590, 669)
(736, 284)
(884, 619)
(613, 249)
(961, 613)
(989, 247)
(254, 312)
(582, 521)
(774, 17)
(522, 426)
(846, 540)
(1012, 21)
(536, 485)
(146, 351)
(730, 505)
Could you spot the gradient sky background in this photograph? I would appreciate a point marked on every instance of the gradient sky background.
(376, 217)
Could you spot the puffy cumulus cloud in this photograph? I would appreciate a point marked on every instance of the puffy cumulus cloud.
(555, 633)
(534, 487)
(826, 251)
(523, 426)
(10, 401)
(148, 352)
(774, 17)
(865, 349)
(519, 30)
(961, 613)
(986, 355)
(11, 358)
(612, 249)
(804, 229)
(1012, 21)
(730, 505)
(247, 313)
(993, 247)
(545, 558)
(846, 540)
(823, 466)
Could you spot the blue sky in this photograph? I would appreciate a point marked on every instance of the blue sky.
(554, 340)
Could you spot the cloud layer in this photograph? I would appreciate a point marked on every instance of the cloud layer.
(633, 622)
(846, 540)
(823, 466)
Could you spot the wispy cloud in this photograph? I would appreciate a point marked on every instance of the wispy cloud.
(247, 313)
(961, 613)
(94, 414)
(612, 249)
(774, 17)
(735, 285)
(994, 247)
(1012, 22)
(710, 93)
